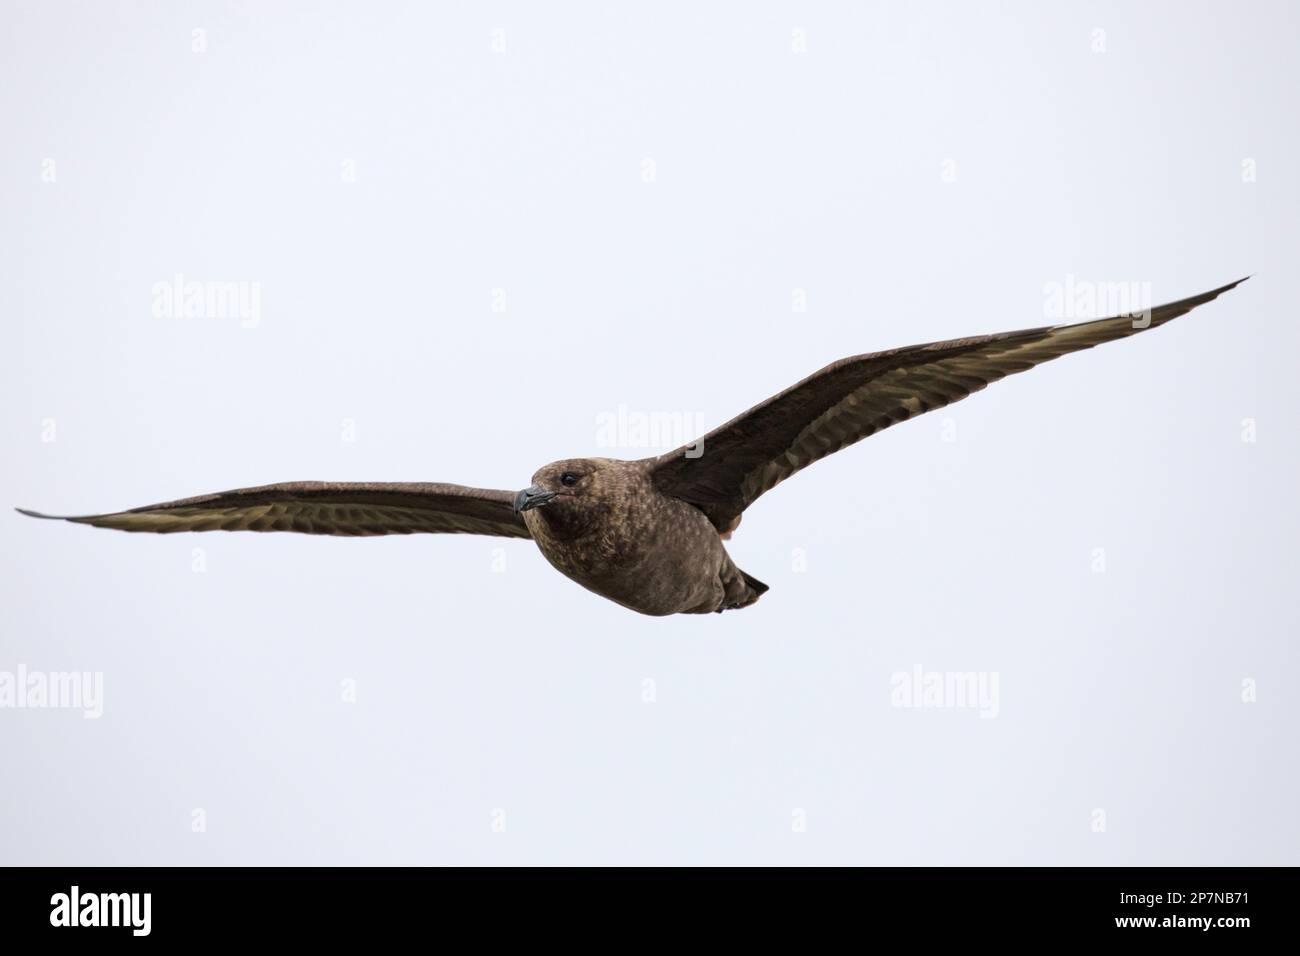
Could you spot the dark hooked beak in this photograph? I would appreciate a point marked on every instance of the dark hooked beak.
(534, 496)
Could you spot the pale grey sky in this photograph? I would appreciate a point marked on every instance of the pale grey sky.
(473, 233)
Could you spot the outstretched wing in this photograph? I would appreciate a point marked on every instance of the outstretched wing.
(727, 470)
(321, 507)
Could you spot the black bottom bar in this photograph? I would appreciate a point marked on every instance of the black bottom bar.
(925, 905)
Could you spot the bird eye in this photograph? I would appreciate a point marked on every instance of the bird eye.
(568, 479)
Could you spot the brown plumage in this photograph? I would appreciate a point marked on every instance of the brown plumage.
(648, 534)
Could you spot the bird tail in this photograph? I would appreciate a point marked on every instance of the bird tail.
(739, 589)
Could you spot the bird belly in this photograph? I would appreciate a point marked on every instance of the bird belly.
(668, 567)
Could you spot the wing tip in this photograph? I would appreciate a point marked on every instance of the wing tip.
(78, 519)
(1171, 310)
(1213, 294)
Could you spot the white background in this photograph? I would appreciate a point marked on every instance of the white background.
(774, 170)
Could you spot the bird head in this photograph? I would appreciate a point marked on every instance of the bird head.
(571, 495)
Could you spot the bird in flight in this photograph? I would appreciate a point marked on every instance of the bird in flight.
(648, 534)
